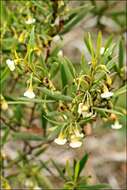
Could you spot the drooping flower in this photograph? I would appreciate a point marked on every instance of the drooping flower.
(82, 107)
(107, 94)
(75, 142)
(11, 64)
(116, 125)
(61, 140)
(84, 110)
(30, 20)
(29, 93)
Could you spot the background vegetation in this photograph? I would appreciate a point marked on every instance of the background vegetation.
(67, 53)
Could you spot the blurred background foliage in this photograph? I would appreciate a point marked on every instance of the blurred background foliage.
(29, 159)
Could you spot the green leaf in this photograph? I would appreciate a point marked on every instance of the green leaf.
(107, 110)
(77, 169)
(28, 136)
(68, 169)
(54, 133)
(64, 79)
(40, 6)
(43, 181)
(8, 44)
(3, 76)
(43, 121)
(5, 136)
(28, 101)
(55, 95)
(31, 43)
(121, 54)
(93, 187)
(40, 151)
(18, 113)
(120, 91)
(54, 113)
(99, 44)
(58, 168)
(84, 64)
(83, 162)
(108, 42)
(54, 69)
(66, 74)
(82, 12)
(3, 12)
(71, 67)
(87, 43)
(91, 45)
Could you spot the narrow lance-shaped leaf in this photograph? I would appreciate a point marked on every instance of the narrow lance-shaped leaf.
(55, 95)
(43, 121)
(3, 76)
(64, 79)
(76, 19)
(120, 91)
(5, 136)
(107, 110)
(27, 136)
(121, 53)
(87, 43)
(91, 45)
(58, 169)
(31, 42)
(77, 168)
(99, 44)
(71, 67)
(54, 69)
(84, 64)
(83, 162)
(93, 187)
(68, 169)
(108, 42)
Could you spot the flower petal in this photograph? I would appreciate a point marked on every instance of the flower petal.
(106, 94)
(75, 144)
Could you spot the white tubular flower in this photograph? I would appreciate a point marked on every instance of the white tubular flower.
(107, 94)
(102, 50)
(87, 114)
(60, 140)
(75, 142)
(116, 125)
(56, 38)
(60, 53)
(30, 20)
(10, 64)
(29, 93)
(84, 110)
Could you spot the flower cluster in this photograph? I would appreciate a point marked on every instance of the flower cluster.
(74, 137)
